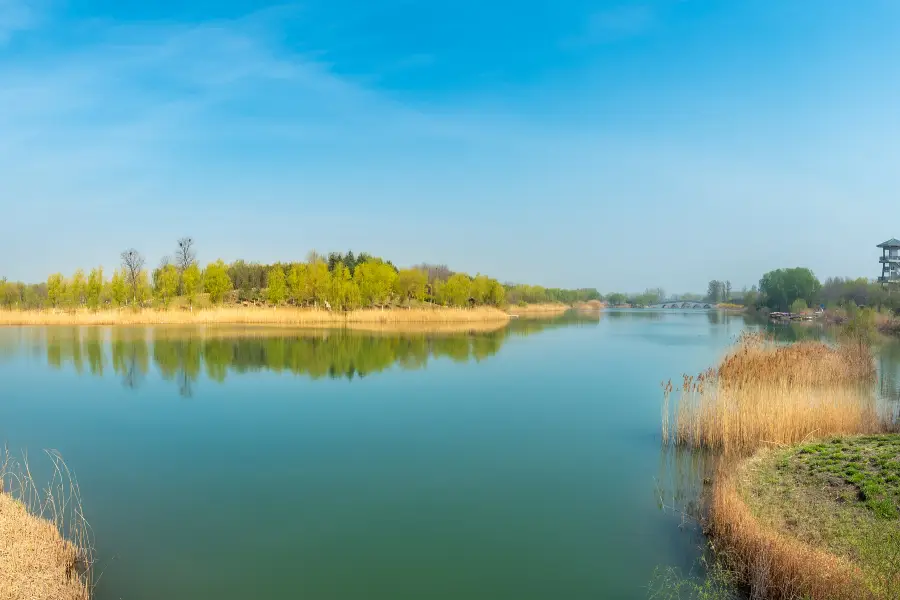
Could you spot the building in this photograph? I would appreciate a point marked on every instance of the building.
(890, 262)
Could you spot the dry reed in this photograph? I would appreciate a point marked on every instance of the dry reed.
(767, 394)
(545, 307)
(771, 564)
(46, 549)
(294, 317)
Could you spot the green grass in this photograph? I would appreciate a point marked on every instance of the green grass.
(870, 465)
(842, 495)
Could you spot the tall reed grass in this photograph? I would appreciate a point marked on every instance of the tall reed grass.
(46, 544)
(763, 393)
(296, 317)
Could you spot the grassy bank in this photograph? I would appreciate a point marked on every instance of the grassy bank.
(802, 518)
(45, 550)
(484, 318)
(818, 520)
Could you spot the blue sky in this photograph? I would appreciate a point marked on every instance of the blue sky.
(620, 145)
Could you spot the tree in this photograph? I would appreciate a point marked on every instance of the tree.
(727, 291)
(799, 305)
(277, 289)
(167, 284)
(411, 284)
(55, 289)
(458, 289)
(497, 295)
(860, 328)
(185, 255)
(216, 281)
(190, 283)
(298, 282)
(615, 299)
(77, 289)
(318, 280)
(782, 286)
(133, 264)
(344, 293)
(376, 280)
(95, 287)
(119, 288)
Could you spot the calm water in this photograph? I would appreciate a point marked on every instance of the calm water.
(242, 463)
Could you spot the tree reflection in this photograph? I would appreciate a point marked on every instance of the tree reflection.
(181, 354)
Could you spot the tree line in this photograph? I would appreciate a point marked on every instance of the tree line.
(337, 281)
(797, 289)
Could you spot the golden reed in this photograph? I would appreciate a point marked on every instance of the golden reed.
(764, 394)
(287, 316)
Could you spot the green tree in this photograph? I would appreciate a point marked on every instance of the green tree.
(298, 283)
(277, 290)
(344, 293)
(616, 299)
(782, 287)
(860, 328)
(77, 289)
(376, 280)
(458, 289)
(318, 280)
(95, 287)
(143, 290)
(190, 283)
(715, 291)
(411, 284)
(118, 288)
(167, 284)
(497, 295)
(216, 281)
(55, 289)
(799, 305)
(481, 288)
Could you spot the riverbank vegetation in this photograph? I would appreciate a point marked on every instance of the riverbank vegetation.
(46, 551)
(820, 520)
(812, 514)
(765, 393)
(337, 282)
(485, 317)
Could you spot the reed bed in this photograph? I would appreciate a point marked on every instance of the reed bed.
(46, 547)
(773, 565)
(545, 307)
(757, 359)
(283, 316)
(763, 394)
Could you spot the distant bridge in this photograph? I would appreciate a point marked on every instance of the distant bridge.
(684, 305)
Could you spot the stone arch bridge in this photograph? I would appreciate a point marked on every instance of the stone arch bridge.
(684, 305)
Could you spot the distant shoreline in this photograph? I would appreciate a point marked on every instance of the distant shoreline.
(441, 318)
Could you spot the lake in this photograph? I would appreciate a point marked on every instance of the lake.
(238, 463)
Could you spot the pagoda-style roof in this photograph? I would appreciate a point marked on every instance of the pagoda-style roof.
(891, 243)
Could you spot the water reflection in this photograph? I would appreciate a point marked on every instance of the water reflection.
(181, 355)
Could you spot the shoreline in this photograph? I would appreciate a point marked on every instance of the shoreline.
(36, 562)
(400, 319)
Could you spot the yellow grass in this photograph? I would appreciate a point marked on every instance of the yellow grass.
(546, 307)
(772, 564)
(764, 394)
(368, 318)
(38, 562)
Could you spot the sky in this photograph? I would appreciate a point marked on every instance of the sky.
(616, 145)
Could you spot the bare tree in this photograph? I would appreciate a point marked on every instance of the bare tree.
(133, 264)
(185, 255)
